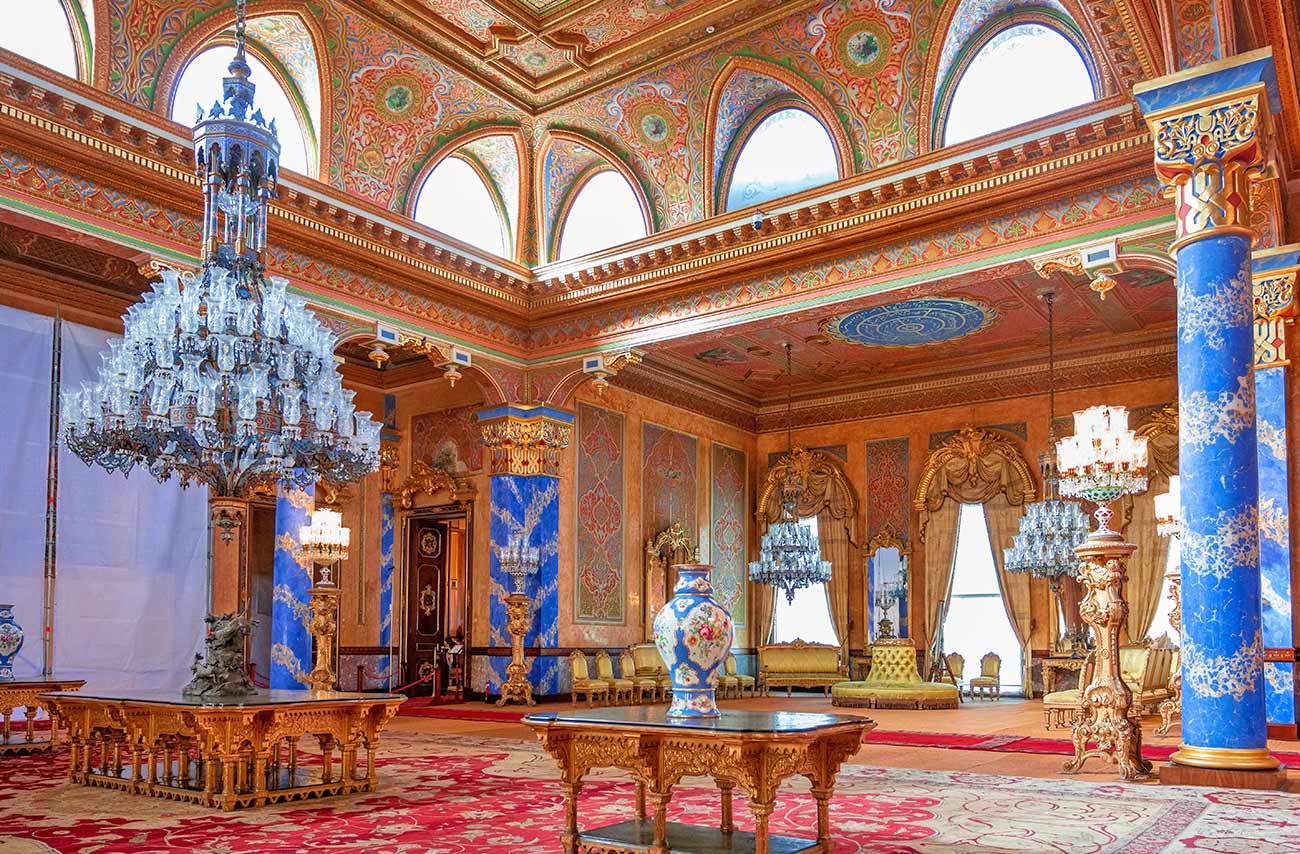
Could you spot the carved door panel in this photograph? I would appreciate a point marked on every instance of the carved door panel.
(426, 603)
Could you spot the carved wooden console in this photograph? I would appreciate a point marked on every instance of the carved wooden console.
(25, 694)
(752, 750)
(229, 754)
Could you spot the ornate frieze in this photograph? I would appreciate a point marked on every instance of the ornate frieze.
(525, 440)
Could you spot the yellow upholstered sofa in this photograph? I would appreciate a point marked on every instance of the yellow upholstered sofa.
(894, 683)
(799, 665)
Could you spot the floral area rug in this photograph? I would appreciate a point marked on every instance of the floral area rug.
(456, 795)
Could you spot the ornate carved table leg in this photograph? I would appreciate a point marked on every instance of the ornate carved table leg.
(640, 800)
(661, 799)
(1106, 701)
(823, 796)
(517, 688)
(725, 786)
(570, 836)
(762, 810)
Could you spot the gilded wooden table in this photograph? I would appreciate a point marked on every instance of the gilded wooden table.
(752, 750)
(25, 694)
(228, 753)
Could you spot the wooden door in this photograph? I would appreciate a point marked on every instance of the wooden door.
(426, 603)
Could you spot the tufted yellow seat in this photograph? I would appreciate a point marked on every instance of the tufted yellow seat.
(894, 683)
(582, 683)
(799, 664)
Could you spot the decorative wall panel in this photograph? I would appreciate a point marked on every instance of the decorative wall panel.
(888, 487)
(728, 521)
(1275, 542)
(669, 473)
(600, 578)
(448, 440)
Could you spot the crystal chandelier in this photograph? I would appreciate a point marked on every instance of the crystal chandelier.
(1049, 529)
(790, 556)
(223, 377)
(1103, 460)
(519, 561)
(325, 541)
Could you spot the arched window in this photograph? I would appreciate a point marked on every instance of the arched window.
(200, 85)
(787, 152)
(808, 617)
(604, 213)
(455, 200)
(1022, 73)
(976, 622)
(42, 32)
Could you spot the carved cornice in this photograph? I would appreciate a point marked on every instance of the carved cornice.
(887, 538)
(427, 480)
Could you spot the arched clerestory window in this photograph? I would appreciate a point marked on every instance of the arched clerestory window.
(456, 200)
(604, 212)
(46, 32)
(1020, 73)
(786, 152)
(200, 85)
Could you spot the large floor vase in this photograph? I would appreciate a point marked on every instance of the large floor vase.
(693, 633)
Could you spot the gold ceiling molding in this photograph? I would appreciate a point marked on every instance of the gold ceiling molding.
(972, 467)
(823, 486)
(1161, 431)
(427, 480)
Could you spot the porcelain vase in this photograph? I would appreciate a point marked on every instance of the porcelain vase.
(693, 633)
(11, 640)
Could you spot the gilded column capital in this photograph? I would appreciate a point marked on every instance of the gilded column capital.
(1211, 126)
(1273, 275)
(525, 439)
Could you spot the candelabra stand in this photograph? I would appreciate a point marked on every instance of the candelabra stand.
(325, 543)
(518, 561)
(1169, 524)
(886, 599)
(1101, 462)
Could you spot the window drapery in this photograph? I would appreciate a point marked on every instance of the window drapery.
(1146, 568)
(1003, 522)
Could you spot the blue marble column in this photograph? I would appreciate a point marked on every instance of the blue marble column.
(389, 449)
(1275, 273)
(1208, 131)
(291, 659)
(524, 445)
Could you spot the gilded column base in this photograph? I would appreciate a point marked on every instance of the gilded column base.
(1231, 759)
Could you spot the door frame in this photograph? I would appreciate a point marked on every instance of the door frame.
(401, 569)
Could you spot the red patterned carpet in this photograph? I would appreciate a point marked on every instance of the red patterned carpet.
(457, 795)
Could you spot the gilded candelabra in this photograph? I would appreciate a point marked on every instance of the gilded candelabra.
(886, 599)
(1100, 462)
(1169, 524)
(518, 561)
(325, 542)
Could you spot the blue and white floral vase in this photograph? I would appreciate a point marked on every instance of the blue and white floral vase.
(693, 633)
(11, 640)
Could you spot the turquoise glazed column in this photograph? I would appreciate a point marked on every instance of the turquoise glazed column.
(291, 659)
(1210, 126)
(1275, 273)
(524, 444)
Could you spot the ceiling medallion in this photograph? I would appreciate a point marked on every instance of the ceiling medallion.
(864, 49)
(912, 323)
(656, 126)
(399, 96)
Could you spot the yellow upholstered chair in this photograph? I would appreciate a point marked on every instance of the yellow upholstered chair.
(1152, 688)
(989, 682)
(582, 683)
(621, 689)
(956, 666)
(650, 663)
(642, 686)
(894, 682)
(1061, 708)
(734, 683)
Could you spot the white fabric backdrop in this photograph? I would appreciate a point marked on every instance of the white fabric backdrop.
(132, 562)
(25, 341)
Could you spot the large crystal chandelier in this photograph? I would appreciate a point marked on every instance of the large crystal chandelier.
(790, 556)
(1103, 460)
(1050, 529)
(223, 377)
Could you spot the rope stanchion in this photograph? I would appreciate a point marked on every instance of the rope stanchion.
(412, 684)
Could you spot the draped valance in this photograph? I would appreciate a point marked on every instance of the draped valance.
(971, 467)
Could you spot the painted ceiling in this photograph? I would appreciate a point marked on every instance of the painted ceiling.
(985, 318)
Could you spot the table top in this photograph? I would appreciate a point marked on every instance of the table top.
(38, 681)
(730, 721)
(258, 698)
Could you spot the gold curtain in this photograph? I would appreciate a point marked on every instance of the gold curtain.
(1146, 569)
(1003, 521)
(761, 596)
(833, 536)
(940, 551)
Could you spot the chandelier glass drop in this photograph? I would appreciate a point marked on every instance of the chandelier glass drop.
(223, 377)
(1050, 529)
(789, 555)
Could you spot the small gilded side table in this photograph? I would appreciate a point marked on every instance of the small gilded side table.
(1053, 663)
(26, 693)
(751, 750)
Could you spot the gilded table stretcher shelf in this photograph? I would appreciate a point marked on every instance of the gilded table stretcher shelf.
(25, 694)
(752, 750)
(227, 753)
